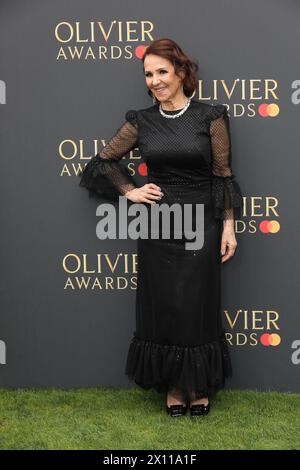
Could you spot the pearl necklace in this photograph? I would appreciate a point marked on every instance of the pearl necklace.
(173, 116)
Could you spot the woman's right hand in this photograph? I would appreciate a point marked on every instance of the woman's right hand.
(150, 192)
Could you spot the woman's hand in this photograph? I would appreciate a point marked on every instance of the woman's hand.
(150, 192)
(228, 243)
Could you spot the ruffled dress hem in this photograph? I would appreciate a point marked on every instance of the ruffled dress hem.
(195, 371)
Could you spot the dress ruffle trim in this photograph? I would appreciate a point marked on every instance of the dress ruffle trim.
(226, 194)
(217, 111)
(131, 116)
(196, 371)
(94, 177)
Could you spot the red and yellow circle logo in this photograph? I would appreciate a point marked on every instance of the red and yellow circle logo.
(269, 226)
(140, 51)
(142, 169)
(268, 110)
(268, 339)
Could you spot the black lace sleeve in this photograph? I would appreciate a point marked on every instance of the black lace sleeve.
(226, 192)
(104, 175)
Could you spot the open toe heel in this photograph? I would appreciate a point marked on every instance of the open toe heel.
(199, 409)
(176, 410)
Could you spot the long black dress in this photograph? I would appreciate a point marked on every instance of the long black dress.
(179, 342)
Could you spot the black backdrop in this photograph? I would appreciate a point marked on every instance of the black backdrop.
(69, 72)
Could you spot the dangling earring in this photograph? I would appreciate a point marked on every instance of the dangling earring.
(193, 94)
(154, 100)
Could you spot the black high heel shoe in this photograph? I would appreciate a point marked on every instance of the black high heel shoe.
(176, 410)
(199, 409)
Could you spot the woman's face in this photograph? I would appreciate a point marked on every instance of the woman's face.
(161, 78)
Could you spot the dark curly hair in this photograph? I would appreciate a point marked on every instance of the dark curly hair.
(170, 50)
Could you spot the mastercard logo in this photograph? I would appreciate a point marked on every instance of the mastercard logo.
(142, 169)
(269, 226)
(268, 110)
(140, 51)
(268, 339)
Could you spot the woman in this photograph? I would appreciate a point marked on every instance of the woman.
(179, 344)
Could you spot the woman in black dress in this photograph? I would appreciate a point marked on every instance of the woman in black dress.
(179, 345)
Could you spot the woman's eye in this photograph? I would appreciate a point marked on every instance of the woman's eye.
(149, 74)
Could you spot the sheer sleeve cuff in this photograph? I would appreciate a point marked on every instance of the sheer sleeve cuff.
(106, 178)
(226, 194)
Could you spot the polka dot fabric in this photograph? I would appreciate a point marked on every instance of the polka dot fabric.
(179, 342)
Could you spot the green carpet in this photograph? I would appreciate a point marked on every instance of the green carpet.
(108, 418)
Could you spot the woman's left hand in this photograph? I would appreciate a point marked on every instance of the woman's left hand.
(228, 244)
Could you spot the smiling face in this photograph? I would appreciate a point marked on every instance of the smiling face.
(161, 79)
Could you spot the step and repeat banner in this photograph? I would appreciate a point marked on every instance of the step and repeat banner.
(69, 72)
